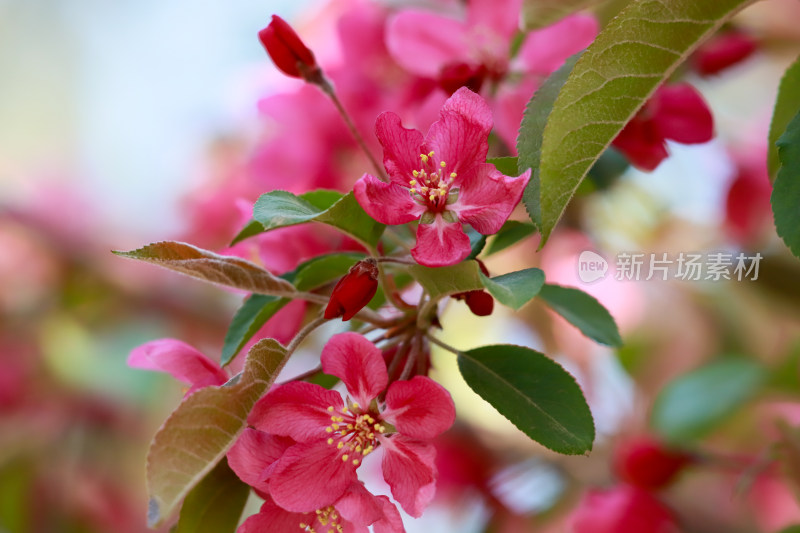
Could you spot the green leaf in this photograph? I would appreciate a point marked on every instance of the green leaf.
(629, 59)
(786, 189)
(515, 289)
(324, 269)
(541, 13)
(791, 529)
(444, 281)
(534, 392)
(348, 216)
(511, 233)
(208, 266)
(199, 432)
(787, 105)
(529, 141)
(476, 242)
(249, 318)
(691, 405)
(582, 311)
(253, 228)
(506, 165)
(278, 209)
(215, 504)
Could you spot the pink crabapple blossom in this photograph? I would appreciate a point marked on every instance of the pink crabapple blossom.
(442, 180)
(333, 436)
(179, 359)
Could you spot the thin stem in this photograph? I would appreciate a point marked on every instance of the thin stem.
(400, 260)
(328, 89)
(303, 333)
(389, 288)
(444, 345)
(412, 358)
(304, 375)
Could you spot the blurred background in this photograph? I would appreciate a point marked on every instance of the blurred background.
(123, 123)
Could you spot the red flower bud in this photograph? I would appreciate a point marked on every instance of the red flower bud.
(287, 50)
(723, 51)
(480, 303)
(648, 464)
(354, 290)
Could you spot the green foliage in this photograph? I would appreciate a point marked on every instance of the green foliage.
(510, 234)
(506, 165)
(279, 209)
(215, 504)
(693, 404)
(787, 105)
(786, 189)
(444, 281)
(583, 312)
(515, 289)
(199, 432)
(207, 266)
(249, 318)
(629, 59)
(541, 13)
(534, 392)
(531, 131)
(476, 242)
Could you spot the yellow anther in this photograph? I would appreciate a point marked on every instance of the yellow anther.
(345, 457)
(424, 158)
(431, 197)
(415, 173)
(430, 154)
(358, 448)
(335, 426)
(442, 192)
(412, 182)
(343, 433)
(329, 429)
(340, 445)
(349, 426)
(442, 164)
(354, 405)
(330, 409)
(303, 526)
(370, 435)
(355, 462)
(330, 440)
(453, 174)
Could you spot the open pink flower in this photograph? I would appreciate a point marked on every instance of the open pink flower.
(442, 180)
(184, 362)
(622, 509)
(352, 513)
(333, 437)
(675, 112)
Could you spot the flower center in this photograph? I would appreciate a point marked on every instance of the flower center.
(328, 518)
(430, 185)
(354, 432)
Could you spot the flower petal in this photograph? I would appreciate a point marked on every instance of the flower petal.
(359, 506)
(298, 410)
(545, 50)
(409, 469)
(184, 362)
(420, 408)
(487, 197)
(401, 147)
(642, 144)
(682, 115)
(391, 521)
(460, 136)
(274, 519)
(388, 203)
(310, 476)
(252, 453)
(440, 243)
(423, 42)
(502, 18)
(358, 363)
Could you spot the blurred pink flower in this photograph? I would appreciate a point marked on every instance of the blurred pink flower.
(747, 205)
(332, 438)
(184, 362)
(647, 463)
(676, 112)
(723, 51)
(622, 509)
(442, 180)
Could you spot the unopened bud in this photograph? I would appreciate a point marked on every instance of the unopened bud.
(288, 51)
(354, 290)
